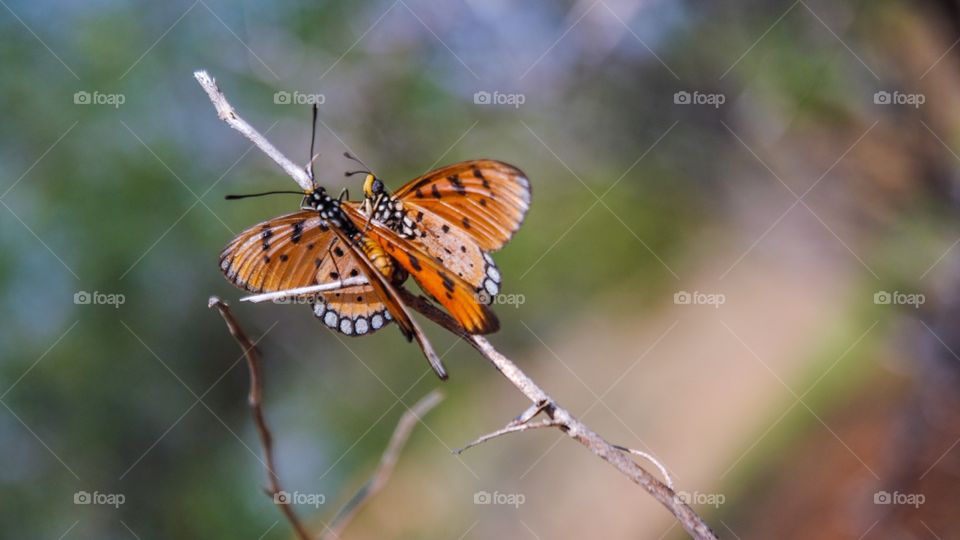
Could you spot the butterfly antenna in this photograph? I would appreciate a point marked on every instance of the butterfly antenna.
(313, 140)
(248, 195)
(352, 157)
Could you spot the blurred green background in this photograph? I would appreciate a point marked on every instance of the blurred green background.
(741, 257)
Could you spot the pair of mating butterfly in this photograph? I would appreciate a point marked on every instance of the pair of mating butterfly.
(439, 229)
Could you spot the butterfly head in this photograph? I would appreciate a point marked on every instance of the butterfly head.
(372, 186)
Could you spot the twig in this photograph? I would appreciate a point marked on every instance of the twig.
(651, 459)
(569, 424)
(255, 399)
(511, 428)
(226, 113)
(387, 462)
(565, 421)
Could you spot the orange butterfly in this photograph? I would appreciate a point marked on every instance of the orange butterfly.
(438, 229)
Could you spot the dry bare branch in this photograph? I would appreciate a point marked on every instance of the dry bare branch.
(564, 420)
(255, 400)
(510, 428)
(226, 113)
(387, 461)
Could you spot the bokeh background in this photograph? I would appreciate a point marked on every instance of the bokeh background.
(741, 257)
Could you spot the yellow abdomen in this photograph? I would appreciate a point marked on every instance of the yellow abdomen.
(381, 261)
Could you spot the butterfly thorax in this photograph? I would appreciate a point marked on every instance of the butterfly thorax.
(390, 211)
(331, 212)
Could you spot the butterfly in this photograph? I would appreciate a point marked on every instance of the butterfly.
(438, 229)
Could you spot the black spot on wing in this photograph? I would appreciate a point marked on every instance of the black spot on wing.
(435, 192)
(447, 282)
(457, 184)
(415, 263)
(297, 231)
(478, 174)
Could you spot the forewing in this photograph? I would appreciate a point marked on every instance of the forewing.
(486, 199)
(278, 254)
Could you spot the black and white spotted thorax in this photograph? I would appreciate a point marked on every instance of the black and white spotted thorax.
(390, 211)
(329, 210)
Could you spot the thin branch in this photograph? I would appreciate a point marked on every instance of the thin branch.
(387, 463)
(651, 459)
(566, 422)
(255, 400)
(510, 428)
(226, 113)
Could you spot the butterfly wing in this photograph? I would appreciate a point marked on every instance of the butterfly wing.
(356, 310)
(484, 198)
(452, 292)
(391, 299)
(460, 253)
(278, 254)
(299, 250)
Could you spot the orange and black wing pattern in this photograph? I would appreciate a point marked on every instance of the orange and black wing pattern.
(355, 310)
(391, 299)
(279, 254)
(455, 294)
(299, 250)
(484, 198)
